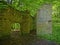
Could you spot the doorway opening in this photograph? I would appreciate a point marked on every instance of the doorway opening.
(15, 27)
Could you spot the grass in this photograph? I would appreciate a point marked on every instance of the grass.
(55, 36)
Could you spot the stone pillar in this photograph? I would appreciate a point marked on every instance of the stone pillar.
(44, 20)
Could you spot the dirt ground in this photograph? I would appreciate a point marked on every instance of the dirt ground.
(26, 40)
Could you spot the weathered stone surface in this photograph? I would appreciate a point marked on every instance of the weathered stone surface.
(44, 20)
(9, 15)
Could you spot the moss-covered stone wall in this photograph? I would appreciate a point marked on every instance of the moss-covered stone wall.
(9, 16)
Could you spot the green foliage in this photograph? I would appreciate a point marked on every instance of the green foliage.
(3, 5)
(31, 5)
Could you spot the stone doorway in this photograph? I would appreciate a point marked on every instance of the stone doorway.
(15, 30)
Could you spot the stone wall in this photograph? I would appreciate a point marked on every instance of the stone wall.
(10, 15)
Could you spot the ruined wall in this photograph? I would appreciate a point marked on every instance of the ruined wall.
(26, 22)
(9, 16)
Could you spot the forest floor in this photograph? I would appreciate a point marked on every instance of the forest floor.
(26, 40)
